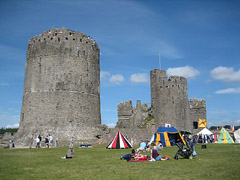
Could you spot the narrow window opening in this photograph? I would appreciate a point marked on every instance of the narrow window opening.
(195, 125)
(22, 116)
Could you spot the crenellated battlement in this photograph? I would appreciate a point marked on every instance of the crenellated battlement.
(197, 103)
(62, 42)
(177, 79)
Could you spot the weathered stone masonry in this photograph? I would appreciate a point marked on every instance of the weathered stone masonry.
(62, 94)
(169, 98)
(62, 86)
(169, 105)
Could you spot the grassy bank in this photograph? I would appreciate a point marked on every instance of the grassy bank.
(218, 161)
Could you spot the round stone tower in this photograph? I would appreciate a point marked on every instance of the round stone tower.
(61, 87)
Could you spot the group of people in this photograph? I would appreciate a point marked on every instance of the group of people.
(48, 141)
(152, 156)
(201, 138)
(145, 147)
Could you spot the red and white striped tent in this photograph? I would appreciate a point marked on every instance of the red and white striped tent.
(119, 142)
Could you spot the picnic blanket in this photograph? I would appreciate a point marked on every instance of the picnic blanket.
(140, 160)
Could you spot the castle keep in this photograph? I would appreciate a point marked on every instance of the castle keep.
(169, 106)
(62, 86)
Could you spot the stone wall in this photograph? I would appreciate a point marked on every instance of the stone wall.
(61, 86)
(130, 116)
(197, 110)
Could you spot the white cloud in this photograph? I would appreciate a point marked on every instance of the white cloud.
(117, 79)
(111, 125)
(165, 49)
(169, 51)
(187, 72)
(6, 52)
(237, 121)
(4, 84)
(139, 78)
(208, 96)
(104, 74)
(16, 125)
(228, 91)
(226, 74)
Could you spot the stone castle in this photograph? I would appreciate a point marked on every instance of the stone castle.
(61, 86)
(62, 94)
(169, 106)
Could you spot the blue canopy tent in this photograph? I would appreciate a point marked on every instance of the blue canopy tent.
(167, 136)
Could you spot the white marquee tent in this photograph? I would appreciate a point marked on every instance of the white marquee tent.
(237, 136)
(205, 131)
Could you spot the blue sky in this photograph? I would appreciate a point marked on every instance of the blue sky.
(196, 39)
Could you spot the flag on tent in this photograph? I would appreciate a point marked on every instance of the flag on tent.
(119, 142)
(202, 123)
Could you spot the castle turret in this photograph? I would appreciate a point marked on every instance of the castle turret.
(62, 86)
(169, 98)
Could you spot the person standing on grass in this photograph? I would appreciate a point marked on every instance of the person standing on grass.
(71, 142)
(31, 141)
(132, 141)
(40, 139)
(47, 141)
(99, 141)
(38, 142)
(50, 140)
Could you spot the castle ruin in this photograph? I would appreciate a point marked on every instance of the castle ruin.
(62, 94)
(169, 106)
(61, 86)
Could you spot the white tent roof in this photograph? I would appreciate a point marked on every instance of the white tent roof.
(237, 136)
(205, 131)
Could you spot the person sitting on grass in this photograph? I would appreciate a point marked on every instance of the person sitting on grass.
(142, 146)
(70, 154)
(159, 146)
(129, 156)
(134, 156)
(140, 156)
(155, 156)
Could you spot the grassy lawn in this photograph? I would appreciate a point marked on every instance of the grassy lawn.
(218, 161)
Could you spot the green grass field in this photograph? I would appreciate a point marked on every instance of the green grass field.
(218, 161)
